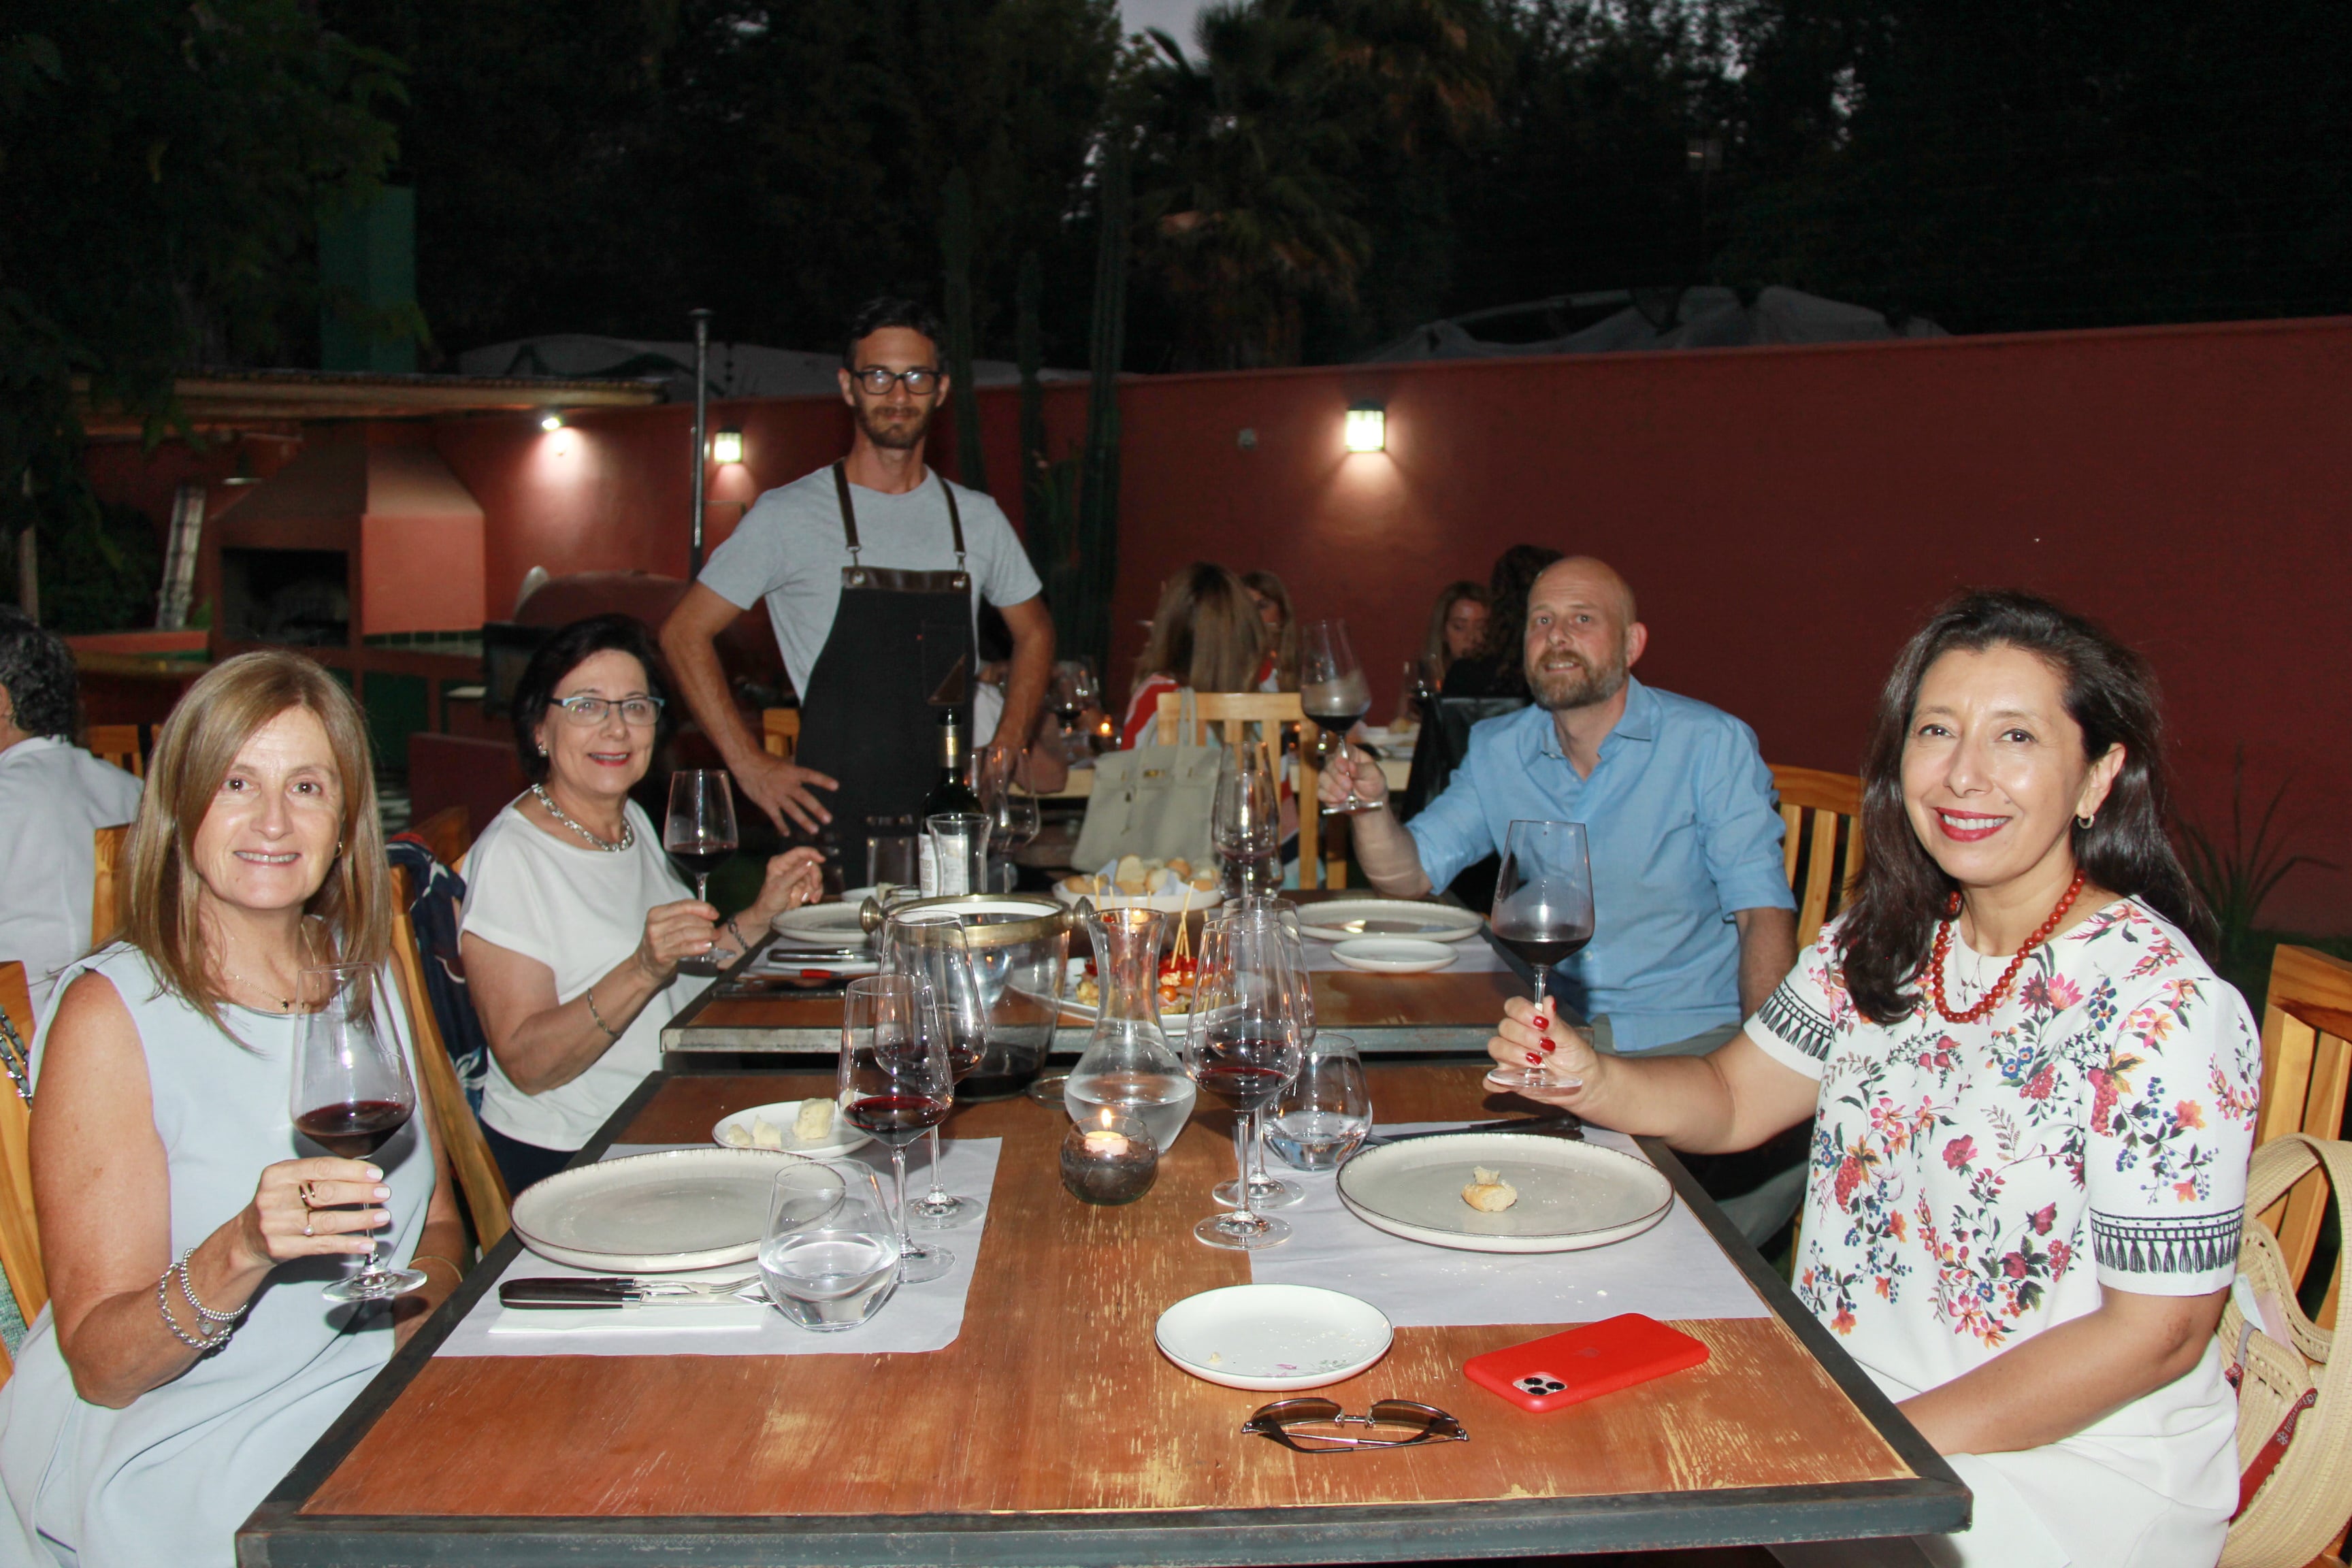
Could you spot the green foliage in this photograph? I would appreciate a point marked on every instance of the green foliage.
(2237, 878)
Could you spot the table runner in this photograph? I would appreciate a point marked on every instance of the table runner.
(1673, 1271)
(926, 1317)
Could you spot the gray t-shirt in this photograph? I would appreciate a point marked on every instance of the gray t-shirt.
(790, 549)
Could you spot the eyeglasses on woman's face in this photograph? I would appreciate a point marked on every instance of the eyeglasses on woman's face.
(638, 712)
(877, 380)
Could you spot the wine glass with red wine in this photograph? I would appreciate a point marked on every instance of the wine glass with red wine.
(1245, 1046)
(1543, 913)
(351, 1092)
(897, 1083)
(930, 946)
(1333, 692)
(699, 833)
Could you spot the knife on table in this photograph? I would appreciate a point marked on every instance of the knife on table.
(592, 1294)
(1566, 1124)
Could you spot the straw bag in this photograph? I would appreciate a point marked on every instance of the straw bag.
(2295, 1413)
(1153, 801)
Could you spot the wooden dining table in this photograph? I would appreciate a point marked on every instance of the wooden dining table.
(1052, 1430)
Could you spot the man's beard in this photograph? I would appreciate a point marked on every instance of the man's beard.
(1577, 685)
(897, 438)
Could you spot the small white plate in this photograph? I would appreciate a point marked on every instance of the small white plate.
(1394, 955)
(1343, 920)
(1572, 1195)
(845, 1140)
(835, 924)
(1273, 1337)
(652, 1214)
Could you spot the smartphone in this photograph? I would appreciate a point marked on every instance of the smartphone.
(1599, 1358)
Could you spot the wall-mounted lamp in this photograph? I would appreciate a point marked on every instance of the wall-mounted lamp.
(726, 445)
(1367, 427)
(550, 420)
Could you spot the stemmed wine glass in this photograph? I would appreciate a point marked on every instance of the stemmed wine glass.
(1013, 821)
(933, 951)
(699, 833)
(1270, 1192)
(1334, 693)
(1246, 817)
(351, 1093)
(1543, 913)
(897, 1083)
(1075, 690)
(1245, 1046)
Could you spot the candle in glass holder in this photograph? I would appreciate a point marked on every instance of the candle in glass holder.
(1107, 1158)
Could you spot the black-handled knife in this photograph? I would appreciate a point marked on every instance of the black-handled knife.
(1566, 1125)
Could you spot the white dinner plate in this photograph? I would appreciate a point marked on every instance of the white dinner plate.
(1572, 1195)
(1341, 919)
(652, 1214)
(832, 923)
(843, 1139)
(1394, 955)
(1273, 1337)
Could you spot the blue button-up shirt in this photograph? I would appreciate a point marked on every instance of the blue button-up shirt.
(1680, 818)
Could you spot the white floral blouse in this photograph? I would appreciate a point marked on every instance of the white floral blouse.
(1975, 1184)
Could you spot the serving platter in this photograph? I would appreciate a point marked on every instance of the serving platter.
(1571, 1196)
(1273, 1337)
(1341, 919)
(652, 1214)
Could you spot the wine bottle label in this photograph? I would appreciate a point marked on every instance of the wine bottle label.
(927, 875)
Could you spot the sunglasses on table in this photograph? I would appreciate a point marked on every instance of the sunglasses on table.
(1296, 1424)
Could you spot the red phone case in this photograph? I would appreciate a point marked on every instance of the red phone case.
(1599, 1358)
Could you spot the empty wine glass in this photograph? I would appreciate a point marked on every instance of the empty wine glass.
(1327, 1111)
(895, 1084)
(1243, 1046)
(1333, 692)
(829, 1259)
(1246, 819)
(1013, 821)
(351, 1092)
(699, 833)
(931, 947)
(1543, 913)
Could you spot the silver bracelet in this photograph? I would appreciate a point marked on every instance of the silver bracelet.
(201, 1345)
(610, 1033)
(187, 1289)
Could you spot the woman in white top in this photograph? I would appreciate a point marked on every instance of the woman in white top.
(2034, 1102)
(574, 922)
(186, 1358)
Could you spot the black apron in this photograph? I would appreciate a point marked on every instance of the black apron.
(900, 651)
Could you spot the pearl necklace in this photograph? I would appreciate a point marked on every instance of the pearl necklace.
(628, 839)
(1990, 999)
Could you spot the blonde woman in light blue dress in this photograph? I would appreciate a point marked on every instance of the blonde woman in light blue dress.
(186, 1358)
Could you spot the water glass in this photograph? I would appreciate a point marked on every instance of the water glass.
(1327, 1111)
(829, 1259)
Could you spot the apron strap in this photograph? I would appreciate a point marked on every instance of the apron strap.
(848, 512)
(955, 520)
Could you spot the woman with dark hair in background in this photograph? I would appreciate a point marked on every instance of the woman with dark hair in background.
(574, 920)
(1206, 635)
(2033, 1100)
(1495, 669)
(1278, 670)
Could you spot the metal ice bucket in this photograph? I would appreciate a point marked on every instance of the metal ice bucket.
(1019, 946)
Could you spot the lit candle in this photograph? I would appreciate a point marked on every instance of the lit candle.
(1108, 1158)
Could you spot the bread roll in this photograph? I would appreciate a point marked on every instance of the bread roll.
(1488, 1192)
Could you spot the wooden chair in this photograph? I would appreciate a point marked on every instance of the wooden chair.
(2306, 1068)
(1822, 846)
(20, 1234)
(124, 745)
(106, 882)
(1234, 712)
(449, 833)
(485, 1189)
(779, 731)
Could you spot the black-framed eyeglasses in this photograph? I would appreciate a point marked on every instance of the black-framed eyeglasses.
(922, 381)
(637, 712)
(1398, 1422)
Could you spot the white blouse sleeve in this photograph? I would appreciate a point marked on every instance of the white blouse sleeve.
(1797, 1023)
(505, 902)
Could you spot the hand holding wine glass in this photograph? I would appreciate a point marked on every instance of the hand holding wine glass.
(1332, 691)
(351, 1093)
(699, 833)
(1543, 913)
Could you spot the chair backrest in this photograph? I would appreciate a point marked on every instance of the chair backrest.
(779, 731)
(106, 882)
(20, 1234)
(1822, 845)
(1233, 712)
(121, 744)
(2306, 1067)
(449, 833)
(485, 1189)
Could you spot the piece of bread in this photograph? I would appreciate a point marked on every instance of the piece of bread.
(738, 1137)
(1130, 868)
(766, 1134)
(1181, 867)
(1488, 1192)
(814, 1123)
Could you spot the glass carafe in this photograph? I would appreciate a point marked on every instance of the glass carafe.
(1127, 1062)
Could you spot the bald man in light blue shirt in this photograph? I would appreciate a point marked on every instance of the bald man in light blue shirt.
(1694, 923)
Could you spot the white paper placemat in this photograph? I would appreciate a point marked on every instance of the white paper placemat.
(1673, 1271)
(1474, 956)
(926, 1317)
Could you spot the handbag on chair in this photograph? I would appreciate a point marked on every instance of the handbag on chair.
(1153, 801)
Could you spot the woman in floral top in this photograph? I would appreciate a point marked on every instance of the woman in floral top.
(2032, 1102)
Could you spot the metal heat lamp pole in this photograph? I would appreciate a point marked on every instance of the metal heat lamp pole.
(701, 438)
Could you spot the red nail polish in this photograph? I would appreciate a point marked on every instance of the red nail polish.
(1533, 1061)
(1541, 1022)
(1548, 1048)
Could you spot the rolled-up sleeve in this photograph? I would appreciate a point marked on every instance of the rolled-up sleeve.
(1739, 828)
(1451, 831)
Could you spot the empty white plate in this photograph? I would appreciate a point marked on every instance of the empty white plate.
(1394, 955)
(652, 1214)
(835, 924)
(1273, 1337)
(1571, 1196)
(842, 1140)
(1337, 920)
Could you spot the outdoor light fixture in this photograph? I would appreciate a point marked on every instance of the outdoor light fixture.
(550, 420)
(1367, 427)
(726, 445)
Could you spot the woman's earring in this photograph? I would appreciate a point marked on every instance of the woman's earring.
(2085, 821)
(339, 849)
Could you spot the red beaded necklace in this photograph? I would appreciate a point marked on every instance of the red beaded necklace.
(1990, 999)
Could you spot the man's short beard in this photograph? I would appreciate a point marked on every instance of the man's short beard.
(1580, 687)
(896, 438)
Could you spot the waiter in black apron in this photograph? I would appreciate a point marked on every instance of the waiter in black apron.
(896, 650)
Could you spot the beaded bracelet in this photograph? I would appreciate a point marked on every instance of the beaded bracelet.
(202, 1344)
(188, 1290)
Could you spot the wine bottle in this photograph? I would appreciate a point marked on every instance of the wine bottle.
(949, 793)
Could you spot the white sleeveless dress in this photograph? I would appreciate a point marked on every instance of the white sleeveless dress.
(168, 1480)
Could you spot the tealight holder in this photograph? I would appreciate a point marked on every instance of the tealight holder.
(1107, 1158)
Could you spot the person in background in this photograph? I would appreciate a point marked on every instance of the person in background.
(1206, 635)
(53, 796)
(186, 1358)
(1278, 670)
(1042, 765)
(1495, 668)
(574, 920)
(1457, 630)
(2033, 1102)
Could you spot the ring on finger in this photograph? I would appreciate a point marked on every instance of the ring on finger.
(310, 1194)
(306, 1222)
